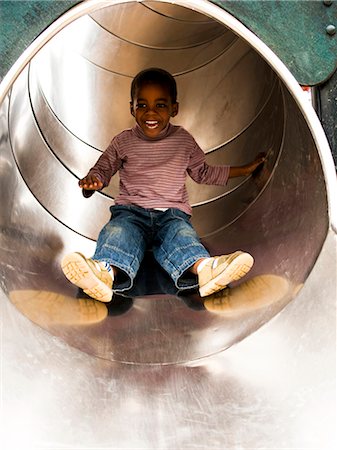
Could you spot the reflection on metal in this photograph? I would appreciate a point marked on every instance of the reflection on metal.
(200, 334)
(156, 359)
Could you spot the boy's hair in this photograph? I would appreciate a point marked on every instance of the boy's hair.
(154, 75)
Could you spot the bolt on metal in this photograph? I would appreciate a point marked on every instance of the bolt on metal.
(331, 30)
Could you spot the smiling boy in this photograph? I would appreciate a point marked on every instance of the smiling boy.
(152, 209)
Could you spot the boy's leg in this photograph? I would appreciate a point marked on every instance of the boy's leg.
(177, 248)
(181, 254)
(121, 244)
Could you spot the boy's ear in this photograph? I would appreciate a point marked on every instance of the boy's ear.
(175, 109)
(132, 111)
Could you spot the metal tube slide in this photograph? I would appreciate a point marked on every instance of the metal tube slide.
(158, 370)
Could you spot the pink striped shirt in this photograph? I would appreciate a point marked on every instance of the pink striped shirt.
(153, 171)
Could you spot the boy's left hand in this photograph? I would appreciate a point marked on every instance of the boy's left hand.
(247, 169)
(260, 159)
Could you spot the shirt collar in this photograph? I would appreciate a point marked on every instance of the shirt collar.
(137, 130)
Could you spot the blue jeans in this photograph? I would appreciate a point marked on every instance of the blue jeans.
(132, 230)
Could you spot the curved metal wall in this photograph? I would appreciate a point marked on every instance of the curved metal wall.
(74, 96)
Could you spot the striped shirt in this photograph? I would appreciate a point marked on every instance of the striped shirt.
(153, 170)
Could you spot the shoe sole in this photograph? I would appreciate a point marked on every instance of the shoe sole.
(235, 270)
(79, 273)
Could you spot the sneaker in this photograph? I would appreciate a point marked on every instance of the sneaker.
(47, 308)
(219, 271)
(93, 277)
(256, 293)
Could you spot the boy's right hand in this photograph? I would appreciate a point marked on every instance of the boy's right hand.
(90, 183)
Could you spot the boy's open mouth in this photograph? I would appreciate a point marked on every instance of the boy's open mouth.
(152, 124)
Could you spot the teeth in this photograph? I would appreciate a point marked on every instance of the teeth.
(151, 123)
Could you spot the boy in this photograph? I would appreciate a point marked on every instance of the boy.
(152, 208)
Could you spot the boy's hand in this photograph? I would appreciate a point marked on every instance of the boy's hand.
(90, 183)
(247, 169)
(260, 159)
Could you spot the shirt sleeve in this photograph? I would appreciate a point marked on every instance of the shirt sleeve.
(203, 173)
(108, 163)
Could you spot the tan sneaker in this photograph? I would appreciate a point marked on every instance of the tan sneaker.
(95, 278)
(219, 271)
(256, 293)
(47, 308)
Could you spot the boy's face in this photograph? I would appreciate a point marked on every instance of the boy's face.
(152, 107)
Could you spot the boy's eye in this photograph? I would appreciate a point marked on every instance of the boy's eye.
(144, 105)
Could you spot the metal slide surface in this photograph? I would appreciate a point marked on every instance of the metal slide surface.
(156, 369)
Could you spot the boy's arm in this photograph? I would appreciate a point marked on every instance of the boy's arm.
(247, 169)
(100, 175)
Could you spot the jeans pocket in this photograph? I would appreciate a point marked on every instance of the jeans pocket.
(179, 214)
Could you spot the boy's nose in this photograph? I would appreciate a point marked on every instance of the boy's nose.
(151, 109)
